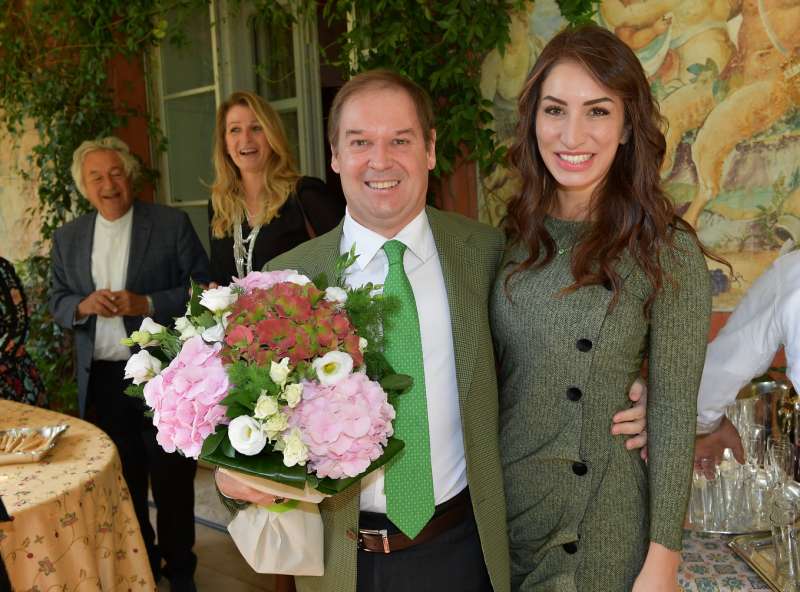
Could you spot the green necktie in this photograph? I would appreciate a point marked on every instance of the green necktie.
(409, 479)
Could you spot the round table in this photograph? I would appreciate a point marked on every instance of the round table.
(74, 527)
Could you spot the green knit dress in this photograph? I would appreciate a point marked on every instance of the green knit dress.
(581, 508)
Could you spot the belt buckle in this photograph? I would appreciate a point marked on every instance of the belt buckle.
(383, 533)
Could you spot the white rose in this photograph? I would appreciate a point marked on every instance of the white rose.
(218, 299)
(336, 295)
(279, 372)
(293, 393)
(214, 334)
(141, 367)
(362, 344)
(294, 451)
(332, 367)
(298, 278)
(246, 436)
(265, 406)
(275, 424)
(186, 329)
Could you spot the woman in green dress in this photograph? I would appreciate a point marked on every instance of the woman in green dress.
(600, 276)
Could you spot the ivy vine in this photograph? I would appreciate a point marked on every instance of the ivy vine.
(54, 74)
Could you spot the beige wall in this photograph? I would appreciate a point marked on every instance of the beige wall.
(18, 232)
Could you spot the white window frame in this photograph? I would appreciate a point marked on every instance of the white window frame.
(234, 69)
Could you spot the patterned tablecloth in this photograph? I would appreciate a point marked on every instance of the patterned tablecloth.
(710, 566)
(74, 527)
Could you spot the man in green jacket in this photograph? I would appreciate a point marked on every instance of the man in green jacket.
(442, 525)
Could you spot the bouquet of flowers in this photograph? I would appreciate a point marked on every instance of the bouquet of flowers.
(276, 376)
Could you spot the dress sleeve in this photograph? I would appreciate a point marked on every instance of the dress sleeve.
(323, 209)
(677, 345)
(743, 348)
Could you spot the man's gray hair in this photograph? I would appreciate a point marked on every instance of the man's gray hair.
(129, 162)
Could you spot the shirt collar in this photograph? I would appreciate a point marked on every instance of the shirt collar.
(119, 222)
(416, 236)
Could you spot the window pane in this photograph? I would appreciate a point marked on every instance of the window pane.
(190, 134)
(292, 129)
(274, 60)
(190, 65)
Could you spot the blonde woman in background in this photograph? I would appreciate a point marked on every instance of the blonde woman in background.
(260, 205)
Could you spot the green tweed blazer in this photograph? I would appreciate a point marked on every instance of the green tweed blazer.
(470, 255)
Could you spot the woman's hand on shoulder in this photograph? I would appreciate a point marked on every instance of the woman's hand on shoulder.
(660, 570)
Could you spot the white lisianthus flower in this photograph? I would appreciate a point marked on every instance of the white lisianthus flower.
(275, 424)
(332, 367)
(293, 393)
(148, 334)
(151, 326)
(336, 295)
(265, 406)
(362, 344)
(294, 451)
(218, 299)
(142, 366)
(184, 326)
(279, 371)
(298, 278)
(246, 436)
(214, 333)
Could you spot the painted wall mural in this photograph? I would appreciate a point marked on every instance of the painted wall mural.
(727, 76)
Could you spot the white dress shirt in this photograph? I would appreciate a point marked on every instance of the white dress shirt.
(424, 270)
(110, 251)
(767, 317)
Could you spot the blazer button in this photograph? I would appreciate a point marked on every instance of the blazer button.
(583, 345)
(574, 393)
(579, 469)
(570, 548)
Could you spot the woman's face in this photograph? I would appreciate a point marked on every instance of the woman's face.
(579, 125)
(245, 140)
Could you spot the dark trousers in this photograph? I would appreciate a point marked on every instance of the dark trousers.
(451, 561)
(171, 476)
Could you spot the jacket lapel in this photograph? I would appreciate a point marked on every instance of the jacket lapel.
(140, 236)
(84, 252)
(465, 305)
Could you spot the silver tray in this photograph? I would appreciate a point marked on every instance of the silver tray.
(756, 551)
(27, 445)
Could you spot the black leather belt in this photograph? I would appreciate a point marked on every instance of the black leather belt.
(451, 513)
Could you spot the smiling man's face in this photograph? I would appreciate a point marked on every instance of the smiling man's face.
(107, 186)
(382, 159)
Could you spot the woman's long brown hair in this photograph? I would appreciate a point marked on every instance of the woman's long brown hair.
(629, 209)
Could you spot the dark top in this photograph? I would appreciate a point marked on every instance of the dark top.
(284, 232)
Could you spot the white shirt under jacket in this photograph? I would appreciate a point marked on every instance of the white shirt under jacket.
(766, 318)
(421, 261)
(110, 251)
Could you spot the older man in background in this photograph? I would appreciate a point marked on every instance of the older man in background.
(110, 269)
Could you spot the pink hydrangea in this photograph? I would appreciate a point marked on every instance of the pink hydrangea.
(344, 426)
(263, 279)
(185, 397)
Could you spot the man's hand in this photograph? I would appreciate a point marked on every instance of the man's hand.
(230, 487)
(129, 304)
(99, 302)
(633, 421)
(714, 444)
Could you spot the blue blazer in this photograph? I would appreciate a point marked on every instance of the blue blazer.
(164, 254)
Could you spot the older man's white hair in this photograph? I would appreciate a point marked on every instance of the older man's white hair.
(129, 162)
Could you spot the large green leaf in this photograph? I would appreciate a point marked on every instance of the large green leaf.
(268, 465)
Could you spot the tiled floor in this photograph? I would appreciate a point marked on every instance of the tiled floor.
(220, 566)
